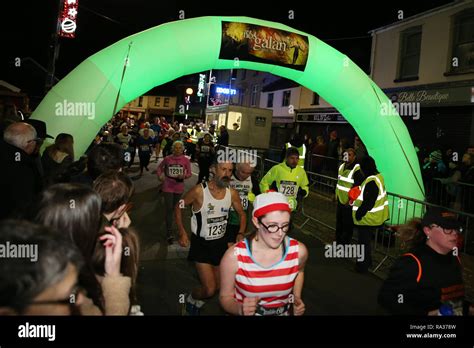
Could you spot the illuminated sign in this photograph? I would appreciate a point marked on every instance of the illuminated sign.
(222, 90)
(261, 44)
(202, 81)
(67, 19)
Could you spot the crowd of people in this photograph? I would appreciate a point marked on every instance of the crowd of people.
(77, 212)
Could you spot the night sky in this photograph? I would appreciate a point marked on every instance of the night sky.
(30, 24)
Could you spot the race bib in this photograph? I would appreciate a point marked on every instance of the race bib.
(216, 228)
(144, 148)
(288, 188)
(205, 148)
(278, 311)
(244, 199)
(175, 170)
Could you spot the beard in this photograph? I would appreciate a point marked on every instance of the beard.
(223, 182)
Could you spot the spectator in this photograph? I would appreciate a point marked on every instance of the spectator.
(115, 190)
(101, 158)
(333, 145)
(318, 150)
(428, 279)
(42, 287)
(57, 159)
(76, 210)
(21, 179)
(360, 149)
(223, 139)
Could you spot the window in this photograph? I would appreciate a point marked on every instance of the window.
(286, 98)
(270, 100)
(140, 101)
(253, 99)
(463, 42)
(410, 53)
(166, 103)
(315, 99)
(157, 101)
(234, 121)
(241, 96)
(244, 74)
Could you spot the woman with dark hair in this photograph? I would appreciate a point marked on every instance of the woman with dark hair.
(57, 158)
(264, 273)
(428, 279)
(76, 210)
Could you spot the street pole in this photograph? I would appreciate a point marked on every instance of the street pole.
(54, 47)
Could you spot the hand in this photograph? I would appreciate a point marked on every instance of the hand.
(240, 236)
(113, 251)
(123, 222)
(249, 305)
(298, 307)
(183, 239)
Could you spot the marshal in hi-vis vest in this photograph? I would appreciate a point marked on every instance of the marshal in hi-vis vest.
(345, 182)
(379, 213)
(302, 152)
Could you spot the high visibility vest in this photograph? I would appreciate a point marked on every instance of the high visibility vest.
(379, 213)
(302, 152)
(345, 182)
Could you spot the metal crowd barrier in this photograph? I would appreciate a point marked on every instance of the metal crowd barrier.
(456, 195)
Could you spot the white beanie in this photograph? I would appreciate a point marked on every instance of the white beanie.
(271, 201)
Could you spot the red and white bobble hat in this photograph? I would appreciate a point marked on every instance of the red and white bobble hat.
(271, 201)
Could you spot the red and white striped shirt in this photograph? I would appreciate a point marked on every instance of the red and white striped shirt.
(274, 284)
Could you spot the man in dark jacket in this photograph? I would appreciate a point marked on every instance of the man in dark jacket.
(21, 179)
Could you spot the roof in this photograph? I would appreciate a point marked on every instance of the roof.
(279, 85)
(421, 15)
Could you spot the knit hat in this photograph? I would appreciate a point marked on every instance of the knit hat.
(271, 201)
(436, 155)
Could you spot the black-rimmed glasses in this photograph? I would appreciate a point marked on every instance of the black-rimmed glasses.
(274, 228)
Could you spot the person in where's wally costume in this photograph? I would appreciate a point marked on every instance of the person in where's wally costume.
(263, 274)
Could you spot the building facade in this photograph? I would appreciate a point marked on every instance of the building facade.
(425, 65)
(150, 106)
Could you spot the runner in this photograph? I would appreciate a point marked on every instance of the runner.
(287, 178)
(210, 205)
(264, 273)
(242, 182)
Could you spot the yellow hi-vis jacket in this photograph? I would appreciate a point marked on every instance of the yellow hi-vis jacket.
(379, 213)
(345, 182)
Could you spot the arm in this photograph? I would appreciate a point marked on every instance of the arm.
(299, 306)
(161, 167)
(237, 205)
(187, 169)
(399, 293)
(189, 198)
(267, 180)
(371, 192)
(228, 269)
(305, 184)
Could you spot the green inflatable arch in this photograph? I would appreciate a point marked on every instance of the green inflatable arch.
(166, 52)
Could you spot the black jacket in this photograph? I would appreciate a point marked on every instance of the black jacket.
(21, 181)
(440, 282)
